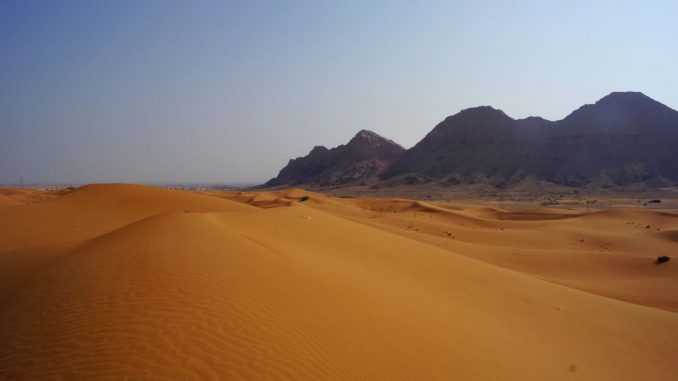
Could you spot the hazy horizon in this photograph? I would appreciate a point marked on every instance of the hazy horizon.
(212, 92)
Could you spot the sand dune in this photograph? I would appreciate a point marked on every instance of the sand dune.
(96, 209)
(135, 282)
(6, 201)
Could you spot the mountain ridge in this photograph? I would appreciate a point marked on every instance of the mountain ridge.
(623, 138)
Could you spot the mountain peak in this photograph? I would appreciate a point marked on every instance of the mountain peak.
(481, 111)
(367, 133)
(625, 97)
(629, 113)
(318, 150)
(370, 137)
(484, 108)
(364, 156)
(485, 115)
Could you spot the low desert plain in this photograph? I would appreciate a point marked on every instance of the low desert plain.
(133, 282)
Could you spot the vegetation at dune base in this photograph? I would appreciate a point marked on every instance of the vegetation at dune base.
(304, 198)
(662, 259)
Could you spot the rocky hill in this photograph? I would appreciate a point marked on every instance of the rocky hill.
(364, 156)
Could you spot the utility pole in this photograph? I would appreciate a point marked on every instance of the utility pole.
(21, 181)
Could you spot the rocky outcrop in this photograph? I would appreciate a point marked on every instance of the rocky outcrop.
(364, 156)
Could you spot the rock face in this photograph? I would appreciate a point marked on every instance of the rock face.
(623, 138)
(364, 156)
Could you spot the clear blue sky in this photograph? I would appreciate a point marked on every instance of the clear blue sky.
(216, 91)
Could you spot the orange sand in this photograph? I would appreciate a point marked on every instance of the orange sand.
(136, 282)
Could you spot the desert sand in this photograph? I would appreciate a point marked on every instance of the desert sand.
(116, 282)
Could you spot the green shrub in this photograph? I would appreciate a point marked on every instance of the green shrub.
(305, 198)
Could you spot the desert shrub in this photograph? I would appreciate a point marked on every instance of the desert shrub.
(304, 198)
(662, 259)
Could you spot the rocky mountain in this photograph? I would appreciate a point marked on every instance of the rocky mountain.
(621, 139)
(364, 156)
